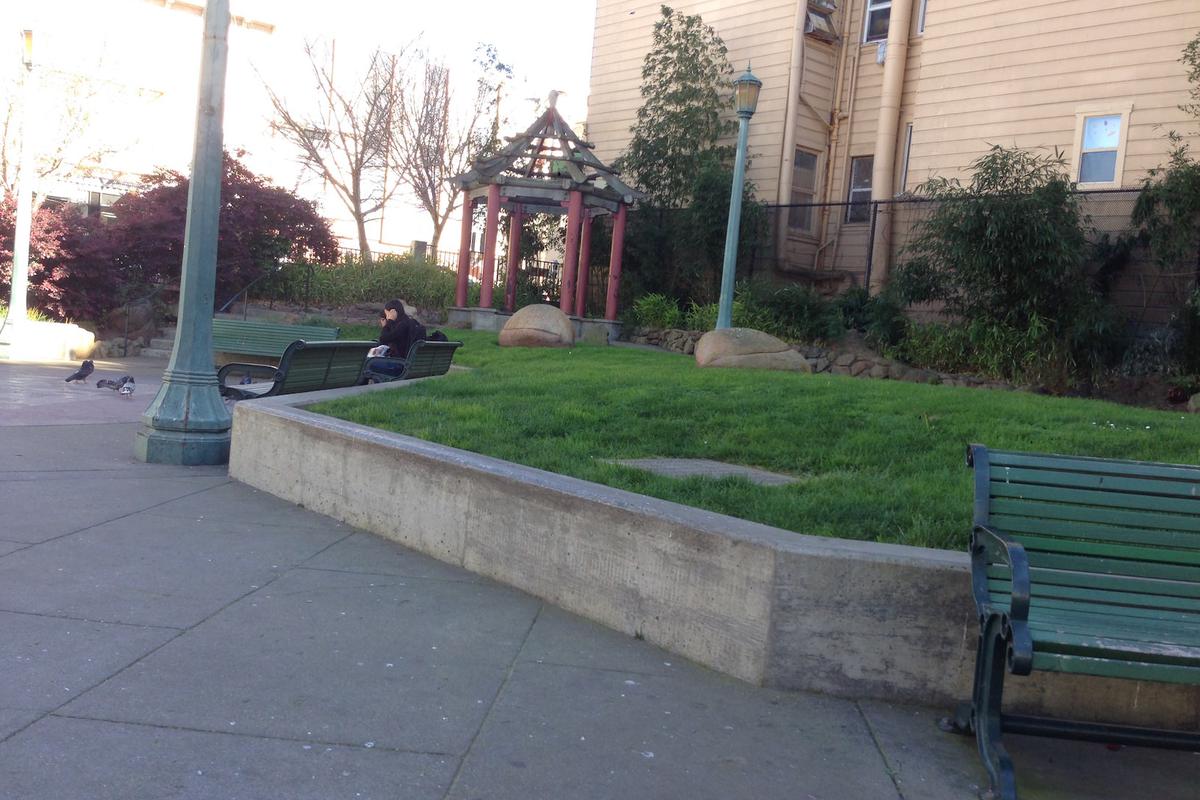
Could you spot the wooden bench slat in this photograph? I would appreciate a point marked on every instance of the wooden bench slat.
(1119, 614)
(1071, 529)
(1039, 545)
(1100, 597)
(1092, 481)
(1048, 623)
(1089, 644)
(1112, 668)
(1149, 586)
(1103, 516)
(1114, 566)
(1086, 497)
(1099, 466)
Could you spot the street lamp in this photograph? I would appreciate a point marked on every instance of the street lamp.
(746, 89)
(187, 423)
(19, 286)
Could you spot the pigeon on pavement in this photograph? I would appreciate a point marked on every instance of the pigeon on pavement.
(126, 387)
(85, 369)
(123, 385)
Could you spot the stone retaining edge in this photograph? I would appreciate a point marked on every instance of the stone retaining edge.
(768, 606)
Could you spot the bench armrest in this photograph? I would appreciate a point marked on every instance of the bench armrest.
(266, 371)
(1000, 547)
(990, 544)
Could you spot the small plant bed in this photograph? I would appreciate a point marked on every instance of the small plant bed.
(876, 460)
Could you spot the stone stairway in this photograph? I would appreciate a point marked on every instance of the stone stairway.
(160, 347)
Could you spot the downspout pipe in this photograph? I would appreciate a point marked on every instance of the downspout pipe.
(883, 173)
(787, 161)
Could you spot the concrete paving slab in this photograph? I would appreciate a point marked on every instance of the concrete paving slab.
(67, 759)
(13, 719)
(35, 393)
(931, 764)
(571, 732)
(147, 570)
(333, 657)
(50, 506)
(239, 502)
(48, 661)
(79, 448)
(8, 547)
(561, 638)
(367, 553)
(706, 468)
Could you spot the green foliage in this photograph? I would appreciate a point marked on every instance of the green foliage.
(685, 97)
(1006, 255)
(797, 312)
(703, 316)
(881, 317)
(354, 280)
(657, 311)
(1191, 60)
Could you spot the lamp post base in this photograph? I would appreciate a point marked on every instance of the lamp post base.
(187, 449)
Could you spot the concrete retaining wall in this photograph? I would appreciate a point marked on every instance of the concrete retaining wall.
(768, 606)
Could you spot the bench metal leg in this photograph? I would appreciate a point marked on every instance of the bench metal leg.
(986, 717)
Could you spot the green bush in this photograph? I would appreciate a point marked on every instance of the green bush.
(657, 311)
(796, 312)
(1007, 256)
(353, 280)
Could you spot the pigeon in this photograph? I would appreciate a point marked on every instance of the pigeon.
(85, 369)
(123, 385)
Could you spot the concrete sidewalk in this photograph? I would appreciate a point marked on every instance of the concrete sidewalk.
(169, 633)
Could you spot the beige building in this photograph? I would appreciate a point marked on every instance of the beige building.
(865, 99)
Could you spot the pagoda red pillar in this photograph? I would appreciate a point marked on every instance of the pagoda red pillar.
(514, 258)
(614, 264)
(585, 260)
(464, 254)
(489, 246)
(566, 301)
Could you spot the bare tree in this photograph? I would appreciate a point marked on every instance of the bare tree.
(436, 134)
(68, 138)
(344, 138)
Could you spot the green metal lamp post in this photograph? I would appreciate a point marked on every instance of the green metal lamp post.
(746, 89)
(188, 423)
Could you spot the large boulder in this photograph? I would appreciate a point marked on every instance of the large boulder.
(746, 347)
(538, 326)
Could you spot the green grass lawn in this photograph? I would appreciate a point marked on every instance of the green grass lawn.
(878, 460)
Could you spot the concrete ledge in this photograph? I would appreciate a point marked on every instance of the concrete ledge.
(768, 606)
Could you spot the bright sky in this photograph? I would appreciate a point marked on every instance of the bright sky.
(149, 58)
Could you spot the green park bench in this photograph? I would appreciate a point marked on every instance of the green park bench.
(304, 367)
(424, 360)
(1085, 566)
(264, 338)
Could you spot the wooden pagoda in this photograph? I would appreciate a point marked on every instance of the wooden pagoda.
(547, 169)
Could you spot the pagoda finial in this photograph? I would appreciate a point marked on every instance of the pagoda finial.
(554, 93)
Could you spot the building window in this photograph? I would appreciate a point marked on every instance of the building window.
(878, 12)
(1101, 144)
(819, 22)
(859, 209)
(804, 191)
(921, 17)
(100, 204)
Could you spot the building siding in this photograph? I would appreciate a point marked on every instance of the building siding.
(983, 72)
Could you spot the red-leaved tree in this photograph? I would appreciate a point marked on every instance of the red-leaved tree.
(101, 264)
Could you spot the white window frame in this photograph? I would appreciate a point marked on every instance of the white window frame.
(1081, 117)
(811, 230)
(850, 191)
(874, 6)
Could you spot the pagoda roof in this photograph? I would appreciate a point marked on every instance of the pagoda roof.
(539, 168)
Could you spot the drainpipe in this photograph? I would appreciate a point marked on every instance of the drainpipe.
(883, 173)
(835, 124)
(787, 161)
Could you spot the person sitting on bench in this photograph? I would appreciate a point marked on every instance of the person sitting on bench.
(398, 332)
